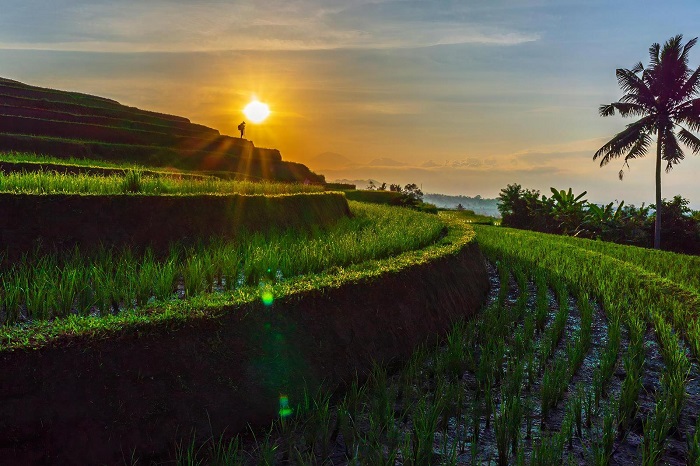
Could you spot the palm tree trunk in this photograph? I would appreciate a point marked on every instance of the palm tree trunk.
(657, 223)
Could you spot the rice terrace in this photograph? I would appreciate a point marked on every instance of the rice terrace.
(171, 294)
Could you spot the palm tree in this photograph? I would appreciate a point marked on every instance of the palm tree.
(665, 96)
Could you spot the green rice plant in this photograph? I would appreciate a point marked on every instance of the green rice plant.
(586, 309)
(576, 409)
(694, 446)
(632, 383)
(489, 405)
(548, 451)
(226, 452)
(425, 419)
(589, 405)
(135, 181)
(656, 427)
(189, 454)
(266, 450)
(566, 431)
(194, 274)
(608, 359)
(504, 278)
(305, 457)
(318, 427)
(676, 370)
(38, 291)
(132, 182)
(602, 447)
(507, 427)
(347, 427)
(453, 361)
(11, 297)
(145, 278)
(555, 332)
(381, 402)
(124, 273)
(164, 279)
(554, 383)
(476, 421)
(541, 300)
(449, 454)
(371, 451)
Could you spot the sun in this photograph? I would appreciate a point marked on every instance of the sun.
(256, 111)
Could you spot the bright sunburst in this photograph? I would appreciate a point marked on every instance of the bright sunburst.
(256, 111)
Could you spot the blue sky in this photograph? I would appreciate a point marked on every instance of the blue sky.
(465, 96)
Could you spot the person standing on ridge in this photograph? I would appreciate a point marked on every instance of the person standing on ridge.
(241, 128)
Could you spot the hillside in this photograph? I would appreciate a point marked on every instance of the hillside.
(69, 124)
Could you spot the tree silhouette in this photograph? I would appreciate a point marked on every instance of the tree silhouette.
(665, 96)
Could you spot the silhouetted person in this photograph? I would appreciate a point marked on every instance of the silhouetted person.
(241, 128)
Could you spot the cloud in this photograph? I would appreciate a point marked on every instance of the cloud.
(217, 25)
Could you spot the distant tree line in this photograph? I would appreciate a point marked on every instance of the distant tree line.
(478, 204)
(410, 195)
(566, 213)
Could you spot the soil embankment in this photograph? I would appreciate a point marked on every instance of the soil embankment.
(99, 401)
(61, 222)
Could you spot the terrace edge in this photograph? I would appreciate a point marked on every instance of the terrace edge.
(99, 401)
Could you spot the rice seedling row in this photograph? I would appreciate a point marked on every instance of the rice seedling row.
(465, 402)
(624, 401)
(47, 287)
(135, 182)
(637, 299)
(679, 268)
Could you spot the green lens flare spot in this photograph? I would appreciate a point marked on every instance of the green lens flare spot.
(285, 410)
(267, 298)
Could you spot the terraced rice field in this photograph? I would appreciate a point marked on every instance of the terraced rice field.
(582, 355)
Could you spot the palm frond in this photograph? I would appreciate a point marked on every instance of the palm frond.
(606, 110)
(624, 108)
(690, 140)
(689, 114)
(625, 140)
(638, 68)
(689, 45)
(640, 147)
(654, 54)
(671, 150)
(691, 87)
(634, 87)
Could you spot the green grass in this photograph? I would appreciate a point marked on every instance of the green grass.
(41, 159)
(680, 269)
(134, 182)
(472, 217)
(118, 291)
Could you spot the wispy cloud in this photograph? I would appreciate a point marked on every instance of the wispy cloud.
(216, 25)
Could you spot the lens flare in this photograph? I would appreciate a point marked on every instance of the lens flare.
(285, 410)
(267, 298)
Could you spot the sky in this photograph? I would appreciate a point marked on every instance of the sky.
(460, 97)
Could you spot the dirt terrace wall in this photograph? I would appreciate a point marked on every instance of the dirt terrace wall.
(96, 402)
(61, 222)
